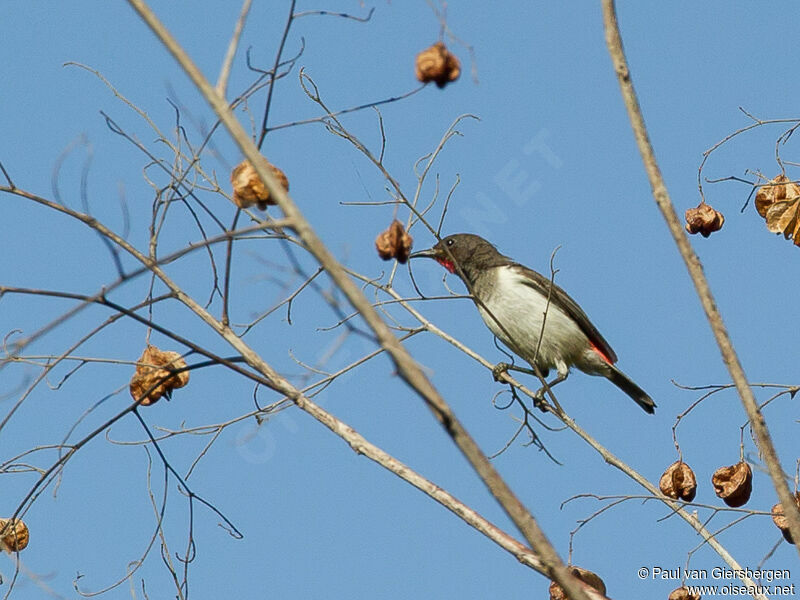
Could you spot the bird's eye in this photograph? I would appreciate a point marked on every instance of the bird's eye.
(449, 242)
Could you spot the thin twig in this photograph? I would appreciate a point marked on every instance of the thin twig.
(345, 111)
(227, 63)
(327, 13)
(271, 88)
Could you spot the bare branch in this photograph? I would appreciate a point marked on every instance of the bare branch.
(405, 364)
(227, 63)
(614, 42)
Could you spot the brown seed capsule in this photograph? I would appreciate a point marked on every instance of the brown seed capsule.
(14, 535)
(779, 203)
(678, 481)
(779, 189)
(683, 593)
(782, 217)
(703, 220)
(394, 243)
(248, 189)
(733, 484)
(780, 519)
(587, 577)
(437, 64)
(155, 375)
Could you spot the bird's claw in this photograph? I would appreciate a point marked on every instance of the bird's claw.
(499, 369)
(539, 401)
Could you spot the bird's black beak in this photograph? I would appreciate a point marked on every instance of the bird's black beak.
(429, 253)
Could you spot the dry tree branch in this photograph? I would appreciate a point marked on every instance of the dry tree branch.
(406, 366)
(756, 123)
(38, 580)
(227, 63)
(607, 455)
(712, 389)
(271, 88)
(693, 265)
(337, 128)
(135, 564)
(362, 446)
(523, 554)
(261, 413)
(8, 356)
(345, 111)
(18, 346)
(142, 258)
(101, 300)
(327, 13)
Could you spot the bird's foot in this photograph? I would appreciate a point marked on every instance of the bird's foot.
(499, 369)
(539, 401)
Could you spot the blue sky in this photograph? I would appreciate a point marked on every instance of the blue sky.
(551, 163)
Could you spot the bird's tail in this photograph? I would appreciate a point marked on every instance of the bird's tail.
(619, 379)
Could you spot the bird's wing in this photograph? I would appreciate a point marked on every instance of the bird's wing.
(560, 298)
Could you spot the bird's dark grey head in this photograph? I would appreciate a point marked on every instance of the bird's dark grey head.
(470, 252)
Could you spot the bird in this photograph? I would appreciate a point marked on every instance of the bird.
(531, 315)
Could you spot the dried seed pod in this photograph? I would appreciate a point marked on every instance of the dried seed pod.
(14, 535)
(703, 220)
(683, 593)
(733, 484)
(394, 243)
(780, 519)
(678, 481)
(437, 64)
(782, 217)
(779, 189)
(779, 203)
(156, 375)
(587, 577)
(248, 189)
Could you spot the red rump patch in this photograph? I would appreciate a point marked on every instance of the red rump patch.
(447, 264)
(602, 354)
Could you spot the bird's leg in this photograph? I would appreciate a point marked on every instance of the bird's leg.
(502, 367)
(538, 397)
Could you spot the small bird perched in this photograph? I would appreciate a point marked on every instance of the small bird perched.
(515, 301)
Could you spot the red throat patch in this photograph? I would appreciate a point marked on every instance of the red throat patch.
(447, 264)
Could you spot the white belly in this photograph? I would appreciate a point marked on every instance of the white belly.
(521, 311)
